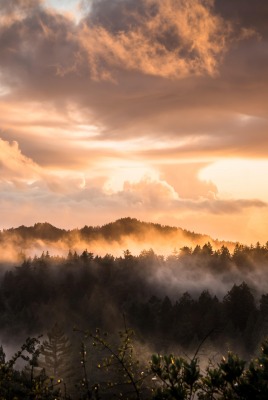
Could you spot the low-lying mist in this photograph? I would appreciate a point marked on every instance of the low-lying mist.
(96, 277)
(176, 260)
(113, 238)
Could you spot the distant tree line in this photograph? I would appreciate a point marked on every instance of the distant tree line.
(90, 291)
(112, 231)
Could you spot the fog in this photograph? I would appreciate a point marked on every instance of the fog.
(113, 238)
(175, 260)
(171, 286)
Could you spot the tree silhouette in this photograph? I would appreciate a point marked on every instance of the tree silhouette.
(239, 304)
(55, 355)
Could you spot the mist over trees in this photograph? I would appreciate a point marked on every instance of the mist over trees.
(197, 295)
(110, 238)
(192, 292)
(113, 231)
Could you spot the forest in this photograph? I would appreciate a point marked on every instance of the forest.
(124, 233)
(96, 326)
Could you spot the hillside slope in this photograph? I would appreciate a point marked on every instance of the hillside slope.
(114, 238)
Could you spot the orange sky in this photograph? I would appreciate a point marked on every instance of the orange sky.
(154, 109)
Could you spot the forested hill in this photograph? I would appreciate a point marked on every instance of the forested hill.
(112, 231)
(125, 233)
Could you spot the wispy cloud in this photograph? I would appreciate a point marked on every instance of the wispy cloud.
(21, 176)
(171, 39)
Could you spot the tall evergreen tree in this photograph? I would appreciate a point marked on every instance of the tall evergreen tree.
(55, 355)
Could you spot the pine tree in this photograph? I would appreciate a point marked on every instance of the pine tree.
(55, 355)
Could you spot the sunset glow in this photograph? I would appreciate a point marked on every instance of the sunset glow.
(153, 109)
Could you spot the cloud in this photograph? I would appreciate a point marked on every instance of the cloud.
(248, 13)
(179, 176)
(21, 176)
(14, 165)
(33, 47)
(47, 58)
(18, 7)
(154, 196)
(20, 173)
(149, 193)
(171, 39)
(218, 206)
(166, 86)
(30, 193)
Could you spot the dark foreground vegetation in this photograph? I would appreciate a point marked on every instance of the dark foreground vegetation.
(51, 373)
(198, 304)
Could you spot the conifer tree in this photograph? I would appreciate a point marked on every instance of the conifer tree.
(55, 355)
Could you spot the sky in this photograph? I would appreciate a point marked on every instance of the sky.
(153, 109)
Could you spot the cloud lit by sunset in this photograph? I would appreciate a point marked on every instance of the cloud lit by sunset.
(153, 109)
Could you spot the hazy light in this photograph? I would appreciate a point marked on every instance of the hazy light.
(4, 91)
(69, 6)
(63, 5)
(127, 171)
(239, 178)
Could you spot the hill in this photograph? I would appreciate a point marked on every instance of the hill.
(114, 238)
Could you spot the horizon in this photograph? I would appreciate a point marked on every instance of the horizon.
(148, 224)
(153, 109)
